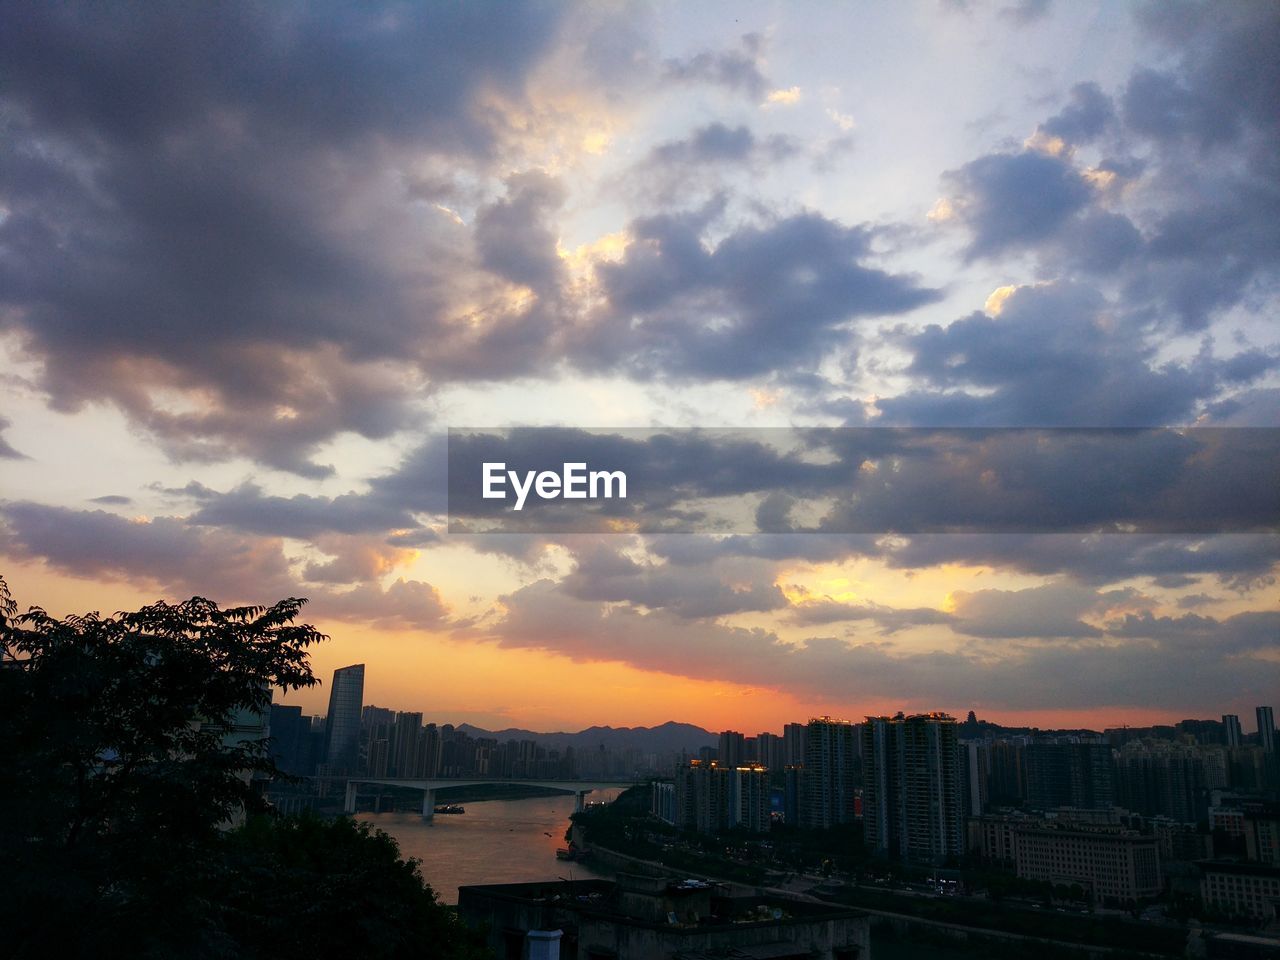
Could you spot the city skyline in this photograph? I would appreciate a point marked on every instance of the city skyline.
(256, 262)
(732, 742)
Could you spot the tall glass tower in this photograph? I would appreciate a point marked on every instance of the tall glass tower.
(342, 725)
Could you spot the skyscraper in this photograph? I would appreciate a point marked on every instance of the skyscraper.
(1231, 732)
(793, 743)
(830, 777)
(1069, 774)
(711, 798)
(342, 725)
(912, 803)
(1266, 730)
(404, 758)
(289, 739)
(769, 750)
(733, 750)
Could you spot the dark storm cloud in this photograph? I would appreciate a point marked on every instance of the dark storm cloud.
(1209, 256)
(179, 186)
(1105, 672)
(420, 482)
(1226, 83)
(404, 604)
(514, 237)
(1088, 113)
(389, 509)
(164, 551)
(603, 574)
(676, 171)
(182, 559)
(1098, 243)
(1244, 633)
(1051, 357)
(710, 144)
(764, 298)
(1238, 561)
(327, 72)
(813, 613)
(736, 70)
(1011, 200)
(1051, 610)
(1015, 481)
(112, 500)
(1201, 232)
(717, 143)
(249, 509)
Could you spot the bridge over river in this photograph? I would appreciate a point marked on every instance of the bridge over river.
(580, 788)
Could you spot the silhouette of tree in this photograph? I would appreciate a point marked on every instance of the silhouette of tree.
(121, 773)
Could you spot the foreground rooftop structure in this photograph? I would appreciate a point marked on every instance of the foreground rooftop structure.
(646, 918)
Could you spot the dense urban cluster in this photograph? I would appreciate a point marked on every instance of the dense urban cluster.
(355, 739)
(1129, 815)
(1122, 816)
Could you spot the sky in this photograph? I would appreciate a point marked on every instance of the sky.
(257, 259)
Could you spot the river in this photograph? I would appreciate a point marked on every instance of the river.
(495, 841)
(511, 841)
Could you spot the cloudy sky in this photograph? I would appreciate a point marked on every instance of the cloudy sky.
(257, 259)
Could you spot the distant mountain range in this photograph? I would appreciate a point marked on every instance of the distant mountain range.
(670, 737)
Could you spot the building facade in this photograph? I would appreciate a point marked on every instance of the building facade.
(1238, 890)
(829, 782)
(342, 723)
(1232, 735)
(712, 798)
(1266, 730)
(1116, 866)
(912, 797)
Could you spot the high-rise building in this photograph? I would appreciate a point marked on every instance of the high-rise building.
(663, 801)
(289, 743)
(1266, 730)
(976, 762)
(748, 798)
(769, 750)
(376, 725)
(828, 786)
(1231, 734)
(710, 797)
(404, 740)
(793, 743)
(342, 724)
(1159, 778)
(733, 749)
(792, 776)
(912, 801)
(1069, 774)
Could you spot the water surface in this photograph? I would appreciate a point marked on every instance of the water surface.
(495, 841)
